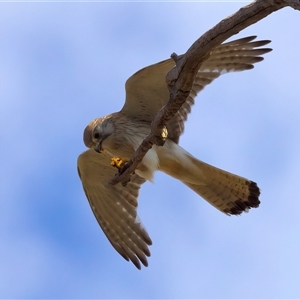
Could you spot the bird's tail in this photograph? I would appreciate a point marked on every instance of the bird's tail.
(227, 192)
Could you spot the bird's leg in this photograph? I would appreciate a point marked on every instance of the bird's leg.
(119, 163)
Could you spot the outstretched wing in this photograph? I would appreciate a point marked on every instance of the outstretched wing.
(115, 206)
(147, 92)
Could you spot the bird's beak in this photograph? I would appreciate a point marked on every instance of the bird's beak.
(98, 148)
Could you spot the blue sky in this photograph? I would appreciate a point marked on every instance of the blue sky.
(62, 65)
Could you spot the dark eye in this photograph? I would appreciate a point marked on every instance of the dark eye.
(96, 135)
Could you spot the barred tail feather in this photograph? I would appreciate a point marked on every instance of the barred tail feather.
(230, 193)
(227, 192)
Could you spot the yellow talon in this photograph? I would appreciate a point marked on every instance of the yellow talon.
(118, 162)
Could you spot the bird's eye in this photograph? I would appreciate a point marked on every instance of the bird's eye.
(96, 135)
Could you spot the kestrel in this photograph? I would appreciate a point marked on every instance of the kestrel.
(112, 140)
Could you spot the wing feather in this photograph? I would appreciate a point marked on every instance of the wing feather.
(147, 92)
(115, 206)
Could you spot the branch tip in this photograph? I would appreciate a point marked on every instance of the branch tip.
(175, 57)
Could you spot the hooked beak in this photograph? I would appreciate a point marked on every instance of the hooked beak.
(98, 148)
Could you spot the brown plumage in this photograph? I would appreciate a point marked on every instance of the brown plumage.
(119, 135)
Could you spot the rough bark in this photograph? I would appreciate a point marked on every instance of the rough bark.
(180, 78)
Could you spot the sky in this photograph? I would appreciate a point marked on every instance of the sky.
(64, 64)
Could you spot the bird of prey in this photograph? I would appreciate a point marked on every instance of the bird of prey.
(112, 140)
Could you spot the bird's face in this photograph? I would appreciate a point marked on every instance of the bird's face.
(96, 132)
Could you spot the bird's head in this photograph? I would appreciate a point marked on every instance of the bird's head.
(96, 132)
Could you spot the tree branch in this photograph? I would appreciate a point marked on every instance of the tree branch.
(181, 77)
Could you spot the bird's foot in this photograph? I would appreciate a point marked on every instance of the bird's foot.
(119, 163)
(162, 137)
